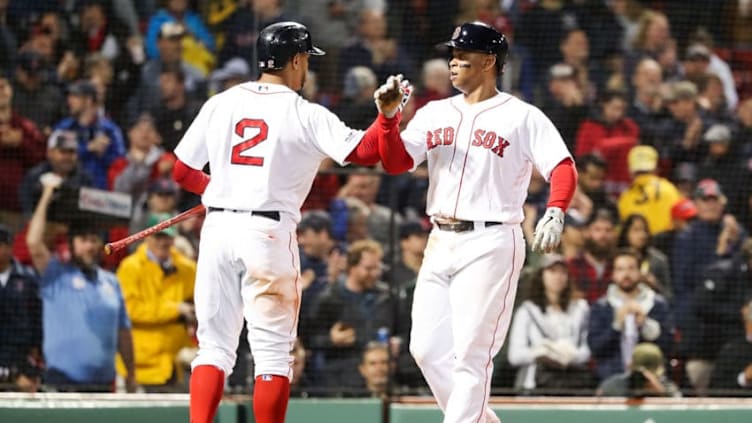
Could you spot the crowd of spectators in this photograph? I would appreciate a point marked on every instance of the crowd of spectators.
(649, 293)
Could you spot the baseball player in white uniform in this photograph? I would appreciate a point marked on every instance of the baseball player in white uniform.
(481, 146)
(264, 144)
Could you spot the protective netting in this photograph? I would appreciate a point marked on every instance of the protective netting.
(653, 98)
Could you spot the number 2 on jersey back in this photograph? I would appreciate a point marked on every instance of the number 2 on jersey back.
(240, 127)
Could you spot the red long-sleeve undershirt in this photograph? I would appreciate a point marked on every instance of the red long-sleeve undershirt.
(190, 179)
(563, 184)
(367, 151)
(396, 159)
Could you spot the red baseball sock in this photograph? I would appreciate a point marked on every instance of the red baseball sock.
(270, 395)
(207, 385)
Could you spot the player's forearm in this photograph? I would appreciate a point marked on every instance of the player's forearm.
(366, 153)
(563, 184)
(394, 156)
(190, 179)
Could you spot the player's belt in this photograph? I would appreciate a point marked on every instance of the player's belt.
(463, 225)
(274, 215)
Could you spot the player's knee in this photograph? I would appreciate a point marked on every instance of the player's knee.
(217, 357)
(267, 361)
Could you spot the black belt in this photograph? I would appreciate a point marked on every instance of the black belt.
(273, 215)
(463, 225)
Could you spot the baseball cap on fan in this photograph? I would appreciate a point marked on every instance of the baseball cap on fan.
(171, 30)
(679, 90)
(155, 218)
(63, 140)
(698, 52)
(552, 259)
(233, 68)
(83, 88)
(718, 133)
(642, 158)
(685, 172)
(163, 186)
(708, 188)
(649, 356)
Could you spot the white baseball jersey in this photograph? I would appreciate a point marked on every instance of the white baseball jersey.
(264, 144)
(480, 156)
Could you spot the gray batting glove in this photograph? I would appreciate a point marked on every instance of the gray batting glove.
(392, 96)
(548, 231)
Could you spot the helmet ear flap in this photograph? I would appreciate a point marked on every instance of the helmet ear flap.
(500, 62)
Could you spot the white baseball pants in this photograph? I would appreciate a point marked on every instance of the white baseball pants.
(248, 266)
(464, 299)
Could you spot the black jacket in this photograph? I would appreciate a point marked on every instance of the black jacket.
(715, 308)
(367, 312)
(20, 323)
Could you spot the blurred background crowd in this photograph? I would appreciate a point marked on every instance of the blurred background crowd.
(650, 293)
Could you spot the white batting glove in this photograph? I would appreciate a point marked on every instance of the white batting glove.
(549, 229)
(393, 95)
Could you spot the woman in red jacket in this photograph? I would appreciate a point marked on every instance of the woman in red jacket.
(611, 134)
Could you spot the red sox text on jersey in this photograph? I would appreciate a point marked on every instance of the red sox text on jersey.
(481, 138)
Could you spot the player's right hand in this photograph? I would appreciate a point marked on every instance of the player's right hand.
(548, 231)
(392, 96)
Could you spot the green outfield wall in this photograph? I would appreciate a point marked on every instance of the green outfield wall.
(400, 413)
(84, 410)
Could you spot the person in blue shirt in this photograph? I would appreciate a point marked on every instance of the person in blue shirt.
(100, 140)
(84, 317)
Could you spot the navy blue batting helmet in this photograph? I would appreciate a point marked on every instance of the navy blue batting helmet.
(279, 42)
(477, 36)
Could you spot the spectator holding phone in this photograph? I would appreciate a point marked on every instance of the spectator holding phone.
(350, 314)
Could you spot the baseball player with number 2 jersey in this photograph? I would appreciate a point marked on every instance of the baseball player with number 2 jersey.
(481, 146)
(264, 144)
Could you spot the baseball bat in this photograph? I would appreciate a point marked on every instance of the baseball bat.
(112, 247)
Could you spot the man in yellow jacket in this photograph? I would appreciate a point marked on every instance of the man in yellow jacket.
(649, 194)
(157, 284)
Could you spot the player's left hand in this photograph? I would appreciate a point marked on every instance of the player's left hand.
(548, 231)
(393, 95)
